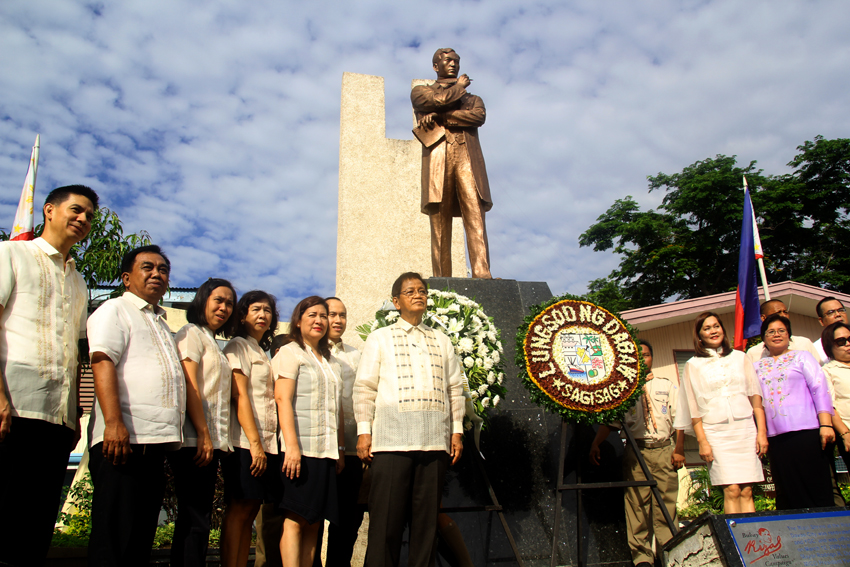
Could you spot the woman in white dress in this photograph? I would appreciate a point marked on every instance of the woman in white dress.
(719, 395)
(307, 390)
(206, 432)
(251, 471)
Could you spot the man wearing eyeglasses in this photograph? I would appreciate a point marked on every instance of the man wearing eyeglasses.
(408, 404)
(797, 342)
(830, 311)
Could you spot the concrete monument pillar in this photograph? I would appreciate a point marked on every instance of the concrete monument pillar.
(381, 232)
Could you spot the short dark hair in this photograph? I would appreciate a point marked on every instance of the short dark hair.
(440, 52)
(241, 311)
(649, 346)
(295, 331)
(61, 194)
(819, 307)
(699, 348)
(827, 337)
(335, 299)
(197, 311)
(278, 342)
(130, 257)
(763, 308)
(773, 317)
(403, 278)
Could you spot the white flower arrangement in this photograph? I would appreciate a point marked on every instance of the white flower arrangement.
(474, 335)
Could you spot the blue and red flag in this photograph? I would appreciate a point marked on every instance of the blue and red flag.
(747, 316)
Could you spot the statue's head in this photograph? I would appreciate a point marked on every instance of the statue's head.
(446, 63)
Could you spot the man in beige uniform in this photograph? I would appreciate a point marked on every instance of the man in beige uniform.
(797, 342)
(651, 424)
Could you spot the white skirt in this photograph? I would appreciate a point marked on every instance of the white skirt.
(734, 448)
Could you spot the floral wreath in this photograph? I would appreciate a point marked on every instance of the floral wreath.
(476, 342)
(580, 360)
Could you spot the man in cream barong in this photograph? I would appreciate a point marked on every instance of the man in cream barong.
(408, 403)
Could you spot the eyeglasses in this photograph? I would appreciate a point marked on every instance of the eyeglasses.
(415, 293)
(776, 332)
(841, 341)
(832, 312)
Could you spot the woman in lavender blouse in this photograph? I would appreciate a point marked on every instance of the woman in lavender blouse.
(799, 414)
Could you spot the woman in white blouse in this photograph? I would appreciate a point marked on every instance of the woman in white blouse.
(836, 344)
(718, 397)
(206, 432)
(250, 472)
(307, 390)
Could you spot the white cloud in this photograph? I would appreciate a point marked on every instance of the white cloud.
(215, 125)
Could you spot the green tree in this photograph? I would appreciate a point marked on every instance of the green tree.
(688, 247)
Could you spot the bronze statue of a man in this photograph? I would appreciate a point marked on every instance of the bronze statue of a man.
(454, 179)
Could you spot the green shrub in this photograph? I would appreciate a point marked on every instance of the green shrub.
(78, 524)
(164, 535)
(705, 497)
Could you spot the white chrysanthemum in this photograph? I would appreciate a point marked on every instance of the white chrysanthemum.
(485, 402)
(430, 302)
(455, 326)
(482, 389)
(480, 314)
(375, 324)
(501, 377)
(496, 357)
(468, 362)
(466, 345)
(491, 378)
(479, 362)
(442, 310)
(392, 315)
(474, 394)
(454, 308)
(488, 362)
(491, 334)
(482, 350)
(496, 400)
(499, 346)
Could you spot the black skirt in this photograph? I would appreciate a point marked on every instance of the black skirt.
(240, 484)
(313, 494)
(800, 470)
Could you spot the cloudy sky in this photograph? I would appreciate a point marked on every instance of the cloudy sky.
(215, 125)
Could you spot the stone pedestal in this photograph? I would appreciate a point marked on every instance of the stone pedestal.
(521, 449)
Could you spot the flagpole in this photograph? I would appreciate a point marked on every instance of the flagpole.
(759, 252)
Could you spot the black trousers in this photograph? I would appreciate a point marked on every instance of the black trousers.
(125, 507)
(800, 470)
(406, 486)
(195, 487)
(33, 461)
(342, 537)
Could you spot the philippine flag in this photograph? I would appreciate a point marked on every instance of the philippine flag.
(22, 229)
(747, 317)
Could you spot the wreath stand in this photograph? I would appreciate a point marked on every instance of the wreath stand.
(579, 486)
(493, 507)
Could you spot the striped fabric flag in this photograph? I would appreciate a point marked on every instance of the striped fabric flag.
(747, 316)
(23, 227)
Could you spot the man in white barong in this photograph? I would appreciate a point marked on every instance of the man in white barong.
(409, 407)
